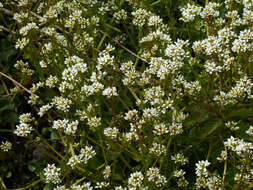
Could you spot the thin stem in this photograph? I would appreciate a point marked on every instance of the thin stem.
(30, 185)
(52, 148)
(134, 94)
(17, 83)
(224, 173)
(123, 47)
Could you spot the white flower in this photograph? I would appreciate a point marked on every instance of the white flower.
(107, 172)
(85, 186)
(22, 43)
(232, 125)
(101, 185)
(155, 177)
(179, 158)
(157, 149)
(135, 179)
(210, 10)
(25, 118)
(30, 26)
(160, 129)
(250, 131)
(60, 124)
(52, 174)
(73, 161)
(179, 173)
(61, 103)
(154, 20)
(201, 170)
(140, 16)
(111, 132)
(23, 129)
(71, 128)
(175, 129)
(87, 153)
(189, 12)
(6, 146)
(94, 122)
(51, 81)
(110, 91)
(44, 109)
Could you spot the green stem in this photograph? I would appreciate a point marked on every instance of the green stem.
(103, 150)
(52, 148)
(30, 185)
(224, 174)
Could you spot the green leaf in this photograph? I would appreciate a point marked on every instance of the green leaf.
(5, 108)
(8, 175)
(54, 135)
(7, 50)
(31, 167)
(240, 114)
(208, 129)
(48, 187)
(10, 117)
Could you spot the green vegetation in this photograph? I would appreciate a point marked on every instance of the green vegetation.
(126, 94)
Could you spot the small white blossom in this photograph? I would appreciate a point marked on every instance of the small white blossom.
(201, 170)
(107, 172)
(73, 161)
(87, 153)
(155, 177)
(112, 133)
(52, 174)
(250, 131)
(6, 146)
(110, 91)
(135, 179)
(23, 129)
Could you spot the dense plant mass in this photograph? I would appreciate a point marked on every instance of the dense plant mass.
(129, 94)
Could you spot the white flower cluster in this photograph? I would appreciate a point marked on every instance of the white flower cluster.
(120, 15)
(102, 185)
(131, 115)
(157, 149)
(232, 125)
(250, 131)
(109, 92)
(24, 128)
(112, 133)
(189, 12)
(152, 86)
(24, 68)
(61, 103)
(26, 29)
(160, 129)
(52, 174)
(201, 168)
(135, 179)
(240, 90)
(21, 43)
(85, 155)
(180, 159)
(210, 10)
(181, 181)
(239, 146)
(69, 128)
(107, 172)
(140, 16)
(154, 176)
(6, 146)
(84, 186)
(206, 179)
